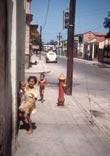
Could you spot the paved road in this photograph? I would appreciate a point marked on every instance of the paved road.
(65, 131)
(90, 89)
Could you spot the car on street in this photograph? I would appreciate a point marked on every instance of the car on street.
(51, 56)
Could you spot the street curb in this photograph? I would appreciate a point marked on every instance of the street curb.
(38, 69)
(34, 72)
(93, 62)
(86, 61)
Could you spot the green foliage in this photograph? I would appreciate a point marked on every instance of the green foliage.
(35, 41)
(106, 23)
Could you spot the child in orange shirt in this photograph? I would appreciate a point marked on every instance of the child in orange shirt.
(42, 83)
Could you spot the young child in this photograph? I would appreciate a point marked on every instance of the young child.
(42, 83)
(22, 88)
(28, 102)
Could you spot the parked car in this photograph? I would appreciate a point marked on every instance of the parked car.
(51, 57)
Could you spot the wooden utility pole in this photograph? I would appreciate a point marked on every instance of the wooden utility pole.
(40, 41)
(59, 37)
(70, 47)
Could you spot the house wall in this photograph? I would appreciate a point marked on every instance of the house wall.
(104, 43)
(27, 34)
(80, 50)
(21, 20)
(64, 47)
(17, 62)
(104, 51)
(88, 36)
(28, 6)
(27, 49)
(11, 71)
(91, 44)
(5, 94)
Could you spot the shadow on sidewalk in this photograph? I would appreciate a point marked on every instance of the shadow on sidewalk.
(26, 126)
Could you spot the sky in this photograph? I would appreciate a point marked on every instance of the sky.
(89, 16)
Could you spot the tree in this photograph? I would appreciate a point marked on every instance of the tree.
(107, 22)
(34, 35)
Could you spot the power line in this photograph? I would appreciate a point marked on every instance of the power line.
(46, 14)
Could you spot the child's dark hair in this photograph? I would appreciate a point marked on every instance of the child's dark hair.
(32, 77)
(42, 74)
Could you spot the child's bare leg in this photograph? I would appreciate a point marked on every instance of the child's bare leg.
(23, 118)
(42, 95)
(20, 115)
(30, 124)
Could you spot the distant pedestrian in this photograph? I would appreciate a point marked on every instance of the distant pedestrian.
(42, 83)
(28, 103)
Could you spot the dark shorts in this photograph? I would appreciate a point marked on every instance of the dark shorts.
(42, 87)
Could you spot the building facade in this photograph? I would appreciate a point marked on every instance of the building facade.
(12, 25)
(104, 50)
(29, 17)
(91, 44)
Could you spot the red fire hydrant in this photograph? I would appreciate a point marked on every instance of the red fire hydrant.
(62, 85)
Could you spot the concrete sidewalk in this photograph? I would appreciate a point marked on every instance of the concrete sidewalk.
(100, 112)
(39, 68)
(52, 123)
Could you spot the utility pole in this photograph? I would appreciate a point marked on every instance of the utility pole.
(40, 41)
(59, 37)
(70, 47)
